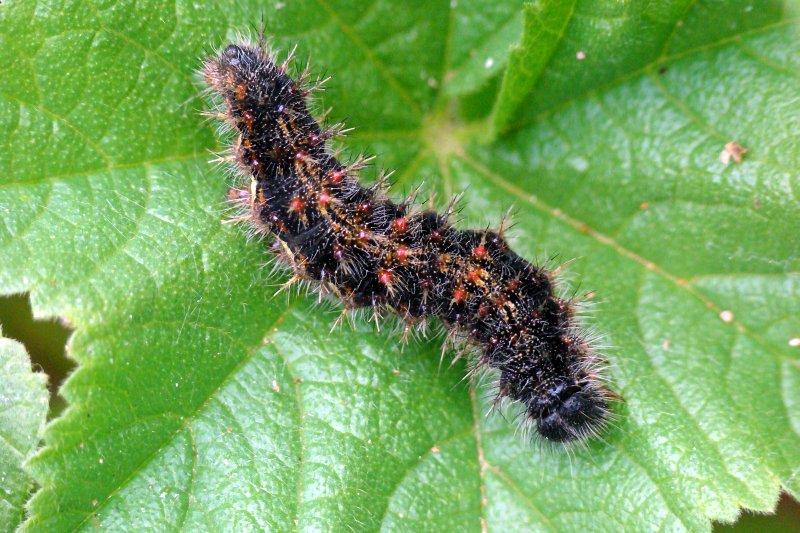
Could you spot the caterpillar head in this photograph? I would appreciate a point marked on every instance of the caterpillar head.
(572, 412)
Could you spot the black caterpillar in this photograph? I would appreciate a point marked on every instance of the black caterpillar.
(369, 251)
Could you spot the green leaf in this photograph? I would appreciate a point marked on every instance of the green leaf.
(545, 23)
(23, 409)
(202, 402)
(479, 38)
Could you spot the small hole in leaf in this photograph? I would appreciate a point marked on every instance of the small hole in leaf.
(45, 340)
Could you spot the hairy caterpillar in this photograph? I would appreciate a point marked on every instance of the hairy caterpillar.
(356, 243)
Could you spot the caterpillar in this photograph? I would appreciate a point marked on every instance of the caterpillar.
(369, 251)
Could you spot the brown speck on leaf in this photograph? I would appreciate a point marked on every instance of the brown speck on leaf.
(733, 150)
(756, 203)
(297, 381)
(275, 386)
(94, 503)
(726, 316)
(662, 70)
(435, 450)
(590, 295)
(666, 344)
(395, 371)
(644, 205)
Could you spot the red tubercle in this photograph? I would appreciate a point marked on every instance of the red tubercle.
(479, 252)
(241, 91)
(400, 224)
(459, 294)
(385, 277)
(499, 300)
(336, 176)
(248, 118)
(323, 199)
(297, 204)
